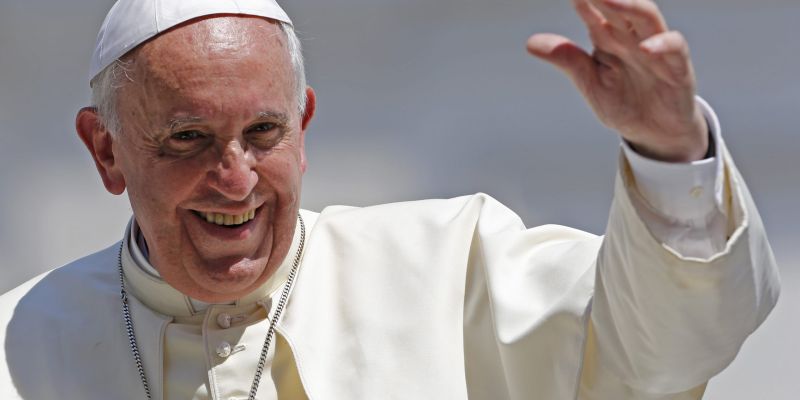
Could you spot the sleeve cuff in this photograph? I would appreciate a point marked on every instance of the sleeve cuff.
(683, 192)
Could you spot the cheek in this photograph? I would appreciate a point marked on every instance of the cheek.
(282, 175)
(157, 188)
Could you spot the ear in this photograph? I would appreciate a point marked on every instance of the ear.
(311, 107)
(100, 143)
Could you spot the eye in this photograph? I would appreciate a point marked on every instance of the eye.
(187, 136)
(265, 127)
(265, 135)
(185, 143)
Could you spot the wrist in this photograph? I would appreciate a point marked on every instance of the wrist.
(681, 147)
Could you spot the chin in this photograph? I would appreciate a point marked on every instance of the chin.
(228, 281)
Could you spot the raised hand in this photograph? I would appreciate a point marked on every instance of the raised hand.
(639, 79)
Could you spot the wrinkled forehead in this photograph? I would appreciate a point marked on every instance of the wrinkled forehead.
(213, 66)
(130, 23)
(214, 36)
(223, 45)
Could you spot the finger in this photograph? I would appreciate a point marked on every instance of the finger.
(668, 56)
(600, 31)
(644, 16)
(563, 53)
(615, 19)
(590, 15)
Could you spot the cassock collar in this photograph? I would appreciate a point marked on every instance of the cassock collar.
(156, 294)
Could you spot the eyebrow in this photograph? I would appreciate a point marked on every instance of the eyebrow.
(281, 118)
(175, 123)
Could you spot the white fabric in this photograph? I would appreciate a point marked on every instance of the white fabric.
(130, 23)
(436, 299)
(682, 191)
(682, 203)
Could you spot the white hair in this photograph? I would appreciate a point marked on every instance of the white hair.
(110, 79)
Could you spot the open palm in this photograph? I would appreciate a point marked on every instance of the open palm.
(639, 79)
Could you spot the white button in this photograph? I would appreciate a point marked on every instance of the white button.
(696, 191)
(266, 303)
(224, 349)
(224, 320)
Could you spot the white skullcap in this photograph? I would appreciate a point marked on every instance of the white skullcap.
(130, 23)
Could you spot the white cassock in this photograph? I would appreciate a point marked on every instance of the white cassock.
(435, 299)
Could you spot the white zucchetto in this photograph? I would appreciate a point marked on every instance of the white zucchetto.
(130, 23)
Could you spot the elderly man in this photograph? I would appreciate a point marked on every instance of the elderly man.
(222, 288)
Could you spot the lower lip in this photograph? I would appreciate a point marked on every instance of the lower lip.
(233, 233)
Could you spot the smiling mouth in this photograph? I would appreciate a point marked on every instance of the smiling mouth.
(227, 219)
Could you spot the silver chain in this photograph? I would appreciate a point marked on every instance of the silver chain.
(262, 360)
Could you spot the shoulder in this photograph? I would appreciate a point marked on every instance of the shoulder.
(429, 211)
(96, 270)
(39, 314)
(478, 213)
(47, 295)
(461, 230)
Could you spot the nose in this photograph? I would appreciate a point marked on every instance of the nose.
(234, 175)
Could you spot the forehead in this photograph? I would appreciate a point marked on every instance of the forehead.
(216, 34)
(199, 42)
(214, 62)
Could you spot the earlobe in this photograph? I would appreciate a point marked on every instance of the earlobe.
(303, 163)
(308, 115)
(311, 107)
(100, 144)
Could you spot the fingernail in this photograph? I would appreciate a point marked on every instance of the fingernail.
(653, 44)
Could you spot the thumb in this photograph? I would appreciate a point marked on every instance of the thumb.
(565, 55)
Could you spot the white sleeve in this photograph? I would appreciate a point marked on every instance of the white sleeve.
(682, 203)
(684, 275)
(664, 318)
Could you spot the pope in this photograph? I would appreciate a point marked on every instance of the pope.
(222, 287)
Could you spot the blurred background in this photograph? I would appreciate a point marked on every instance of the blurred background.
(427, 99)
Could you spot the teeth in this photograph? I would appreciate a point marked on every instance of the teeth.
(225, 219)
